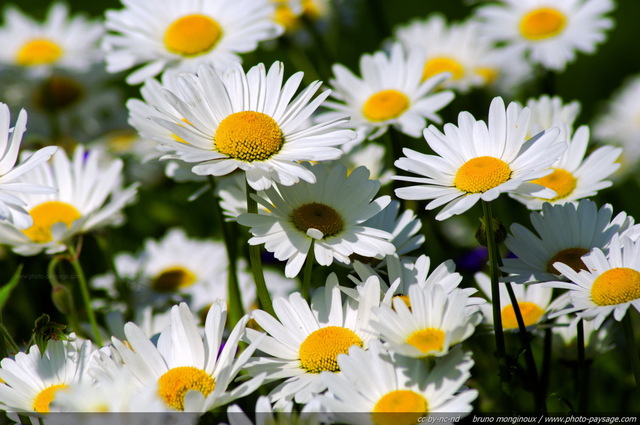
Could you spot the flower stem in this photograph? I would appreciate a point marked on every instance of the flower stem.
(256, 261)
(308, 267)
(632, 349)
(66, 306)
(582, 375)
(84, 290)
(9, 346)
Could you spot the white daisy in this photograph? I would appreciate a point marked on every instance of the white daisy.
(533, 301)
(330, 213)
(370, 155)
(403, 227)
(169, 35)
(31, 381)
(609, 283)
(12, 207)
(549, 32)
(306, 339)
(398, 390)
(390, 93)
(565, 338)
(186, 371)
(477, 161)
(61, 41)
(247, 122)
(89, 196)
(563, 233)
(435, 321)
(265, 414)
(547, 112)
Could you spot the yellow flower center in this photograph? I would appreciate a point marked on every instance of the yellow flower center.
(385, 105)
(285, 17)
(481, 174)
(46, 215)
(38, 52)
(427, 340)
(489, 75)
(560, 180)
(248, 136)
(172, 279)
(404, 298)
(572, 257)
(192, 35)
(438, 65)
(45, 397)
(317, 216)
(174, 384)
(319, 351)
(399, 407)
(616, 286)
(542, 23)
(530, 312)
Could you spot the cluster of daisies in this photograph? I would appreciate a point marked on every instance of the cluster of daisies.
(347, 314)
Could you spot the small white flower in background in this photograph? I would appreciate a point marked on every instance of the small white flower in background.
(550, 33)
(565, 338)
(372, 156)
(265, 414)
(12, 206)
(154, 37)
(478, 161)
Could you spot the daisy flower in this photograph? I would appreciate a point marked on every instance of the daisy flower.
(61, 41)
(476, 161)
(12, 207)
(372, 156)
(608, 284)
(31, 381)
(533, 301)
(395, 389)
(305, 340)
(563, 233)
(390, 93)
(549, 32)
(291, 13)
(547, 112)
(435, 321)
(565, 338)
(89, 196)
(265, 414)
(328, 213)
(189, 372)
(170, 35)
(247, 122)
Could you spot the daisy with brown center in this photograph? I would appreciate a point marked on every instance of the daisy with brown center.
(31, 381)
(187, 371)
(89, 196)
(391, 92)
(477, 161)
(328, 213)
(549, 32)
(61, 41)
(252, 122)
(396, 390)
(306, 340)
(563, 233)
(181, 35)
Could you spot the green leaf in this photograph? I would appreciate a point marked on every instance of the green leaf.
(6, 290)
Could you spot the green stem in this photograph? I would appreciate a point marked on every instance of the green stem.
(583, 393)
(501, 351)
(236, 310)
(72, 313)
(256, 261)
(632, 349)
(325, 58)
(86, 297)
(9, 345)
(308, 267)
(379, 19)
(546, 361)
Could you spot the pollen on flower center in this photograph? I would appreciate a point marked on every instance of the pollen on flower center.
(46, 215)
(572, 257)
(192, 35)
(438, 65)
(319, 351)
(407, 407)
(562, 181)
(38, 52)
(481, 174)
(427, 340)
(616, 286)
(172, 279)
(248, 136)
(385, 105)
(530, 312)
(317, 216)
(174, 384)
(542, 23)
(44, 398)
